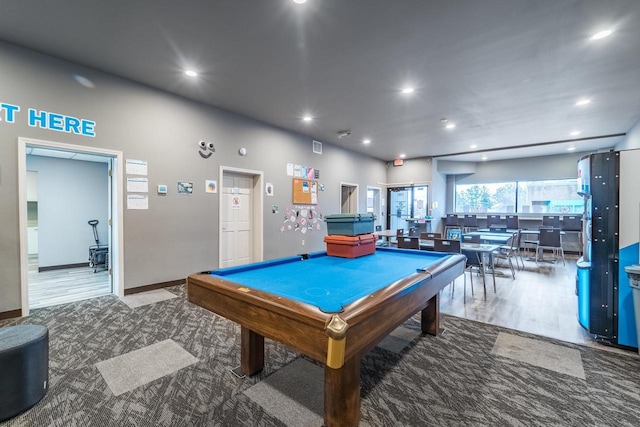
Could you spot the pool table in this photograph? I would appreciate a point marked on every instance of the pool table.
(331, 309)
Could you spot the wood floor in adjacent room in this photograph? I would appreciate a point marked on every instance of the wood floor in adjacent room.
(541, 300)
(61, 286)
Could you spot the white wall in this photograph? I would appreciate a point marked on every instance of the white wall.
(632, 140)
(70, 193)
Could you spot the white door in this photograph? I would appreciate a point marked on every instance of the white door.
(236, 220)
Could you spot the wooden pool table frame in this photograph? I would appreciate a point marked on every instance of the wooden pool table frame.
(302, 326)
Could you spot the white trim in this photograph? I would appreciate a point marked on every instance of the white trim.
(258, 211)
(379, 216)
(117, 228)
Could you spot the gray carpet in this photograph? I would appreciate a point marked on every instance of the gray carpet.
(456, 379)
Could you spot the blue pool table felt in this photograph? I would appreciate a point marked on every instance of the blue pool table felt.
(326, 282)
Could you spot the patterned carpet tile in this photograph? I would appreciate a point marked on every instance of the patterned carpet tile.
(453, 379)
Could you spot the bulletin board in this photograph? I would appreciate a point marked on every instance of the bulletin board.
(305, 191)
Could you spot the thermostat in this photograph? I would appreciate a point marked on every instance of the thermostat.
(162, 189)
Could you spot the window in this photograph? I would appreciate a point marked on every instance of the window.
(486, 198)
(558, 196)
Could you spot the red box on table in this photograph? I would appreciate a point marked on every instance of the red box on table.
(350, 246)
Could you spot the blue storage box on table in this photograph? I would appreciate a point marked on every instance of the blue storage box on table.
(349, 224)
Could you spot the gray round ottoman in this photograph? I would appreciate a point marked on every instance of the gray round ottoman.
(24, 368)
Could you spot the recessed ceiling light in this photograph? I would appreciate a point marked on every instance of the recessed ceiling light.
(450, 125)
(402, 156)
(473, 147)
(575, 133)
(583, 101)
(299, 1)
(601, 34)
(484, 157)
(407, 90)
(571, 148)
(366, 141)
(191, 73)
(307, 118)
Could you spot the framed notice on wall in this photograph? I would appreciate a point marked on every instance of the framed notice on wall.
(305, 191)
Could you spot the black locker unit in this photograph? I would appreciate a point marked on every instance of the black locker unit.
(603, 275)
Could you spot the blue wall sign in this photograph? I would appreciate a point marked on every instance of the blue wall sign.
(48, 120)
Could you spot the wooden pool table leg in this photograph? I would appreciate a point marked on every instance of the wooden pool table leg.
(251, 351)
(342, 394)
(430, 322)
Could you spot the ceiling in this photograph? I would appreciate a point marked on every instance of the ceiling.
(507, 73)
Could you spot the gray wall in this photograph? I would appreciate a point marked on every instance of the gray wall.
(632, 140)
(178, 234)
(70, 193)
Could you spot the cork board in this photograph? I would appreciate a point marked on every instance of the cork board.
(305, 191)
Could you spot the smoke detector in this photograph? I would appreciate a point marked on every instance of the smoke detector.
(344, 133)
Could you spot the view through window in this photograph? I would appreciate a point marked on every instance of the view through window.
(558, 196)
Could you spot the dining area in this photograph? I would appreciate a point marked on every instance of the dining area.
(500, 248)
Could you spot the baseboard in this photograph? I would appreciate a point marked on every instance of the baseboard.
(62, 267)
(10, 314)
(154, 286)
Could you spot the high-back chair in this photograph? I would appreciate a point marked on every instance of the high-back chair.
(451, 221)
(551, 220)
(573, 223)
(550, 239)
(492, 220)
(509, 251)
(513, 222)
(470, 223)
(466, 238)
(430, 236)
(408, 243)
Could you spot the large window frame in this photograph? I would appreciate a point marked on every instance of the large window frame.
(548, 196)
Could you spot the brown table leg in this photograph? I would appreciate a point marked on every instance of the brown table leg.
(251, 351)
(342, 394)
(430, 321)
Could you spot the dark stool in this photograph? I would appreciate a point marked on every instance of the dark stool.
(24, 368)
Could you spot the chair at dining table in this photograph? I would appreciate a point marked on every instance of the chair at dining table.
(510, 251)
(452, 246)
(430, 236)
(399, 234)
(493, 220)
(408, 242)
(470, 223)
(550, 239)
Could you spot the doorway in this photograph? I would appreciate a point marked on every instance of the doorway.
(65, 275)
(407, 207)
(374, 205)
(348, 198)
(241, 218)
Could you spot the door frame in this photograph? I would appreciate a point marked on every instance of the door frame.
(258, 210)
(116, 247)
(356, 188)
(378, 203)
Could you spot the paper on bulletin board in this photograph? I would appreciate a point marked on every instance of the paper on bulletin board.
(138, 185)
(136, 167)
(137, 201)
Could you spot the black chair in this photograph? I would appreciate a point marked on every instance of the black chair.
(550, 239)
(498, 229)
(551, 221)
(408, 243)
(450, 246)
(470, 223)
(509, 251)
(573, 223)
(380, 241)
(513, 223)
(413, 232)
(492, 220)
(399, 235)
(430, 236)
(466, 238)
(452, 221)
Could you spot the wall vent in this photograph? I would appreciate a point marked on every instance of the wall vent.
(317, 147)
